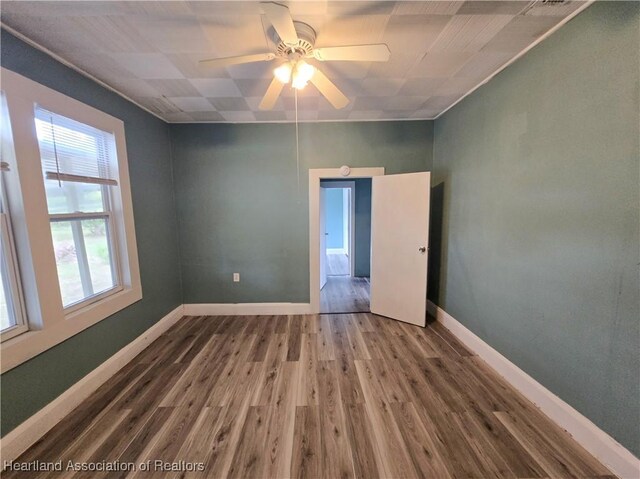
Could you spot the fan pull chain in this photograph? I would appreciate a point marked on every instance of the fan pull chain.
(295, 96)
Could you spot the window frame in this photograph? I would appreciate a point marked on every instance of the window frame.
(8, 253)
(49, 322)
(113, 250)
(75, 221)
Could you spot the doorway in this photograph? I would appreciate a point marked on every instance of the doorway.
(345, 240)
(399, 235)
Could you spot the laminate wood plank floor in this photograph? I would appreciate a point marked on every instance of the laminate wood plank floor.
(329, 396)
(337, 265)
(345, 294)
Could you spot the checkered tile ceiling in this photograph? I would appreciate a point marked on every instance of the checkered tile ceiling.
(149, 51)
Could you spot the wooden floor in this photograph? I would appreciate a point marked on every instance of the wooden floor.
(345, 294)
(331, 396)
(337, 265)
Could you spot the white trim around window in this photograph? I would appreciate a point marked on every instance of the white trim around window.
(49, 322)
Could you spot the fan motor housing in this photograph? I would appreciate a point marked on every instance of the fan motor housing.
(304, 47)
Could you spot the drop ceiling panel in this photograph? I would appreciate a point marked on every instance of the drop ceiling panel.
(230, 104)
(148, 65)
(554, 10)
(501, 7)
(365, 115)
(350, 70)
(234, 35)
(169, 9)
(113, 33)
(207, 116)
(159, 105)
(452, 86)
(140, 88)
(352, 30)
(238, 116)
(172, 34)
(252, 70)
(333, 115)
(359, 8)
(214, 87)
(427, 8)
(469, 33)
(308, 103)
(520, 33)
(440, 64)
(150, 52)
(191, 103)
(179, 87)
(414, 34)
(381, 86)
(483, 64)
(188, 64)
(421, 86)
(268, 116)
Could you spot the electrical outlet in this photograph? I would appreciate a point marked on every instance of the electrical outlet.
(236, 277)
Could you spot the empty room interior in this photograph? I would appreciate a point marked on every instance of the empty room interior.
(320, 239)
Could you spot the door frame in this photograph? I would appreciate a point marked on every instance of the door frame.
(315, 175)
(351, 186)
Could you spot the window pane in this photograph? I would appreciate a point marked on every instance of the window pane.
(70, 147)
(7, 317)
(71, 197)
(98, 254)
(83, 258)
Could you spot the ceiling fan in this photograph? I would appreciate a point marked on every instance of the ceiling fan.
(295, 42)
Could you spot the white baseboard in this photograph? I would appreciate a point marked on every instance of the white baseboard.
(27, 433)
(606, 449)
(336, 251)
(246, 309)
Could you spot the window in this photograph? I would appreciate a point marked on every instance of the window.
(12, 317)
(12, 320)
(76, 162)
(67, 202)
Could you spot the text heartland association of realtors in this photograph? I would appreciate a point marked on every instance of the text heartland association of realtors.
(104, 466)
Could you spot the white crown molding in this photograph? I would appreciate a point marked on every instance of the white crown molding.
(26, 434)
(600, 444)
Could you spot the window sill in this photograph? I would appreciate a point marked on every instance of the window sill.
(20, 349)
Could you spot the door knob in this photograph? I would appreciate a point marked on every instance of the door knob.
(422, 249)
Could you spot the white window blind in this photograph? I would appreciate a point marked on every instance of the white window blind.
(73, 151)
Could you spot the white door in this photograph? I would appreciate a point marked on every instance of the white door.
(399, 241)
(323, 237)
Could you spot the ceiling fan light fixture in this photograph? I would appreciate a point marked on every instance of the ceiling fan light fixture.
(283, 73)
(302, 74)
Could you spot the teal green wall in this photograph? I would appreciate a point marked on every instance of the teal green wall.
(241, 208)
(334, 218)
(362, 256)
(538, 177)
(30, 386)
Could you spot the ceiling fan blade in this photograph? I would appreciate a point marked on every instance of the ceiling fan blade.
(329, 90)
(227, 61)
(358, 53)
(281, 20)
(273, 92)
